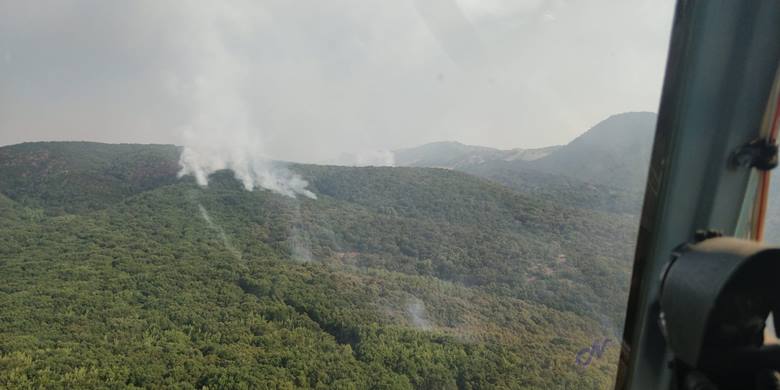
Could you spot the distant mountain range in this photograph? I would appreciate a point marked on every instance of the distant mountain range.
(615, 152)
(455, 155)
(604, 168)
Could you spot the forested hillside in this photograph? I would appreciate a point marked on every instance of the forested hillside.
(615, 152)
(114, 273)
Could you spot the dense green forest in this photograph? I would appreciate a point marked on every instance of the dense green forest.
(115, 273)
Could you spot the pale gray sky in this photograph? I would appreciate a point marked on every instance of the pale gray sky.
(308, 80)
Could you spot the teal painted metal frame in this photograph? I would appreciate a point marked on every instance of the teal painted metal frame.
(723, 57)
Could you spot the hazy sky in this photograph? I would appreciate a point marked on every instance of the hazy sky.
(308, 80)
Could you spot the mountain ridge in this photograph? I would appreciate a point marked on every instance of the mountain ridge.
(602, 169)
(453, 154)
(629, 132)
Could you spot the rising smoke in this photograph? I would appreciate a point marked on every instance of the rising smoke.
(418, 316)
(222, 133)
(298, 240)
(225, 240)
(299, 246)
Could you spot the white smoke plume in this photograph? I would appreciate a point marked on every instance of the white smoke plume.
(299, 246)
(299, 240)
(225, 240)
(418, 316)
(222, 133)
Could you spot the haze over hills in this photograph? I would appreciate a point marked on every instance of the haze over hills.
(615, 152)
(116, 272)
(497, 282)
(603, 169)
(455, 155)
(470, 267)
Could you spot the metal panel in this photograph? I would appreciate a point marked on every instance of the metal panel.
(722, 61)
(694, 284)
